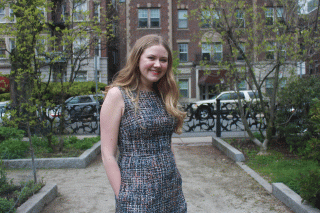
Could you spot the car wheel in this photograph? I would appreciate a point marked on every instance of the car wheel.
(203, 113)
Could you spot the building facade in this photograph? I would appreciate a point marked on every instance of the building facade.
(194, 41)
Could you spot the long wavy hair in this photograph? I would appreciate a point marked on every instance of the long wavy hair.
(129, 78)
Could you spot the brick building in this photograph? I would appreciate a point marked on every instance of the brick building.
(171, 20)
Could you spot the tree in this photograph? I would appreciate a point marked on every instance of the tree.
(54, 40)
(260, 42)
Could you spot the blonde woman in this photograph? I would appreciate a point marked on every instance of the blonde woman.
(138, 117)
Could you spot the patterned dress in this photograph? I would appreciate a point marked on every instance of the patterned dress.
(150, 180)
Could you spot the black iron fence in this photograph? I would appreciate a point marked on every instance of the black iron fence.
(221, 117)
(85, 119)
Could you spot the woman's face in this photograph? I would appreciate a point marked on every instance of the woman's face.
(153, 65)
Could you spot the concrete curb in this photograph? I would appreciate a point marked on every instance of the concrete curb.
(265, 184)
(57, 163)
(279, 190)
(36, 203)
(228, 150)
(291, 199)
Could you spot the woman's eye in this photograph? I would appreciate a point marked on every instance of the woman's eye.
(163, 60)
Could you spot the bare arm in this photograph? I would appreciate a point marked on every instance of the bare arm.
(110, 118)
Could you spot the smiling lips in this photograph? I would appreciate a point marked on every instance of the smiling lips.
(155, 72)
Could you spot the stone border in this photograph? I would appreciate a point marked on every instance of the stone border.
(228, 150)
(36, 203)
(57, 163)
(279, 190)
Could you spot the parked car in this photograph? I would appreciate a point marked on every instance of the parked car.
(228, 101)
(79, 107)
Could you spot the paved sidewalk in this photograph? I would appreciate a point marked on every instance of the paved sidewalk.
(211, 183)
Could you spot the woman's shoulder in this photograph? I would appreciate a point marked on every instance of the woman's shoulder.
(114, 93)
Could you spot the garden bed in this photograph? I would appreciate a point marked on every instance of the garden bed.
(280, 165)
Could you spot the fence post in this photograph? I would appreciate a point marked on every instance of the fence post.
(218, 124)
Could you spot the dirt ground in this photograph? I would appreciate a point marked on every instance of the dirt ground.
(211, 183)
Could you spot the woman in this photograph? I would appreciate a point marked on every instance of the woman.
(138, 117)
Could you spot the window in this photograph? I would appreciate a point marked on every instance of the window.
(11, 15)
(149, 18)
(80, 10)
(209, 18)
(2, 15)
(280, 15)
(81, 76)
(240, 18)
(269, 16)
(270, 51)
(184, 88)
(96, 11)
(182, 19)
(2, 48)
(240, 56)
(212, 52)
(80, 46)
(183, 52)
(12, 44)
(41, 47)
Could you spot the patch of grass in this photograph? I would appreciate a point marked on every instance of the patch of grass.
(279, 166)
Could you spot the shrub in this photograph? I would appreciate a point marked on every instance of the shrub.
(5, 97)
(310, 187)
(13, 148)
(29, 188)
(7, 205)
(83, 144)
(10, 132)
(312, 150)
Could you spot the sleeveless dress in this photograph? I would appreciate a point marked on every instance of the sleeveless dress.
(150, 180)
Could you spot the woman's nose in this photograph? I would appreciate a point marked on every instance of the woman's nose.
(157, 63)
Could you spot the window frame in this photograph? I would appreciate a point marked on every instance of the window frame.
(240, 20)
(184, 92)
(78, 44)
(3, 48)
(78, 78)
(79, 13)
(183, 19)
(212, 49)
(96, 11)
(270, 51)
(150, 17)
(269, 16)
(211, 16)
(3, 15)
(239, 56)
(183, 50)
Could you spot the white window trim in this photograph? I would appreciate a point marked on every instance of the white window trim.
(188, 89)
(77, 43)
(77, 76)
(3, 13)
(240, 16)
(270, 14)
(80, 10)
(184, 52)
(182, 17)
(149, 17)
(99, 8)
